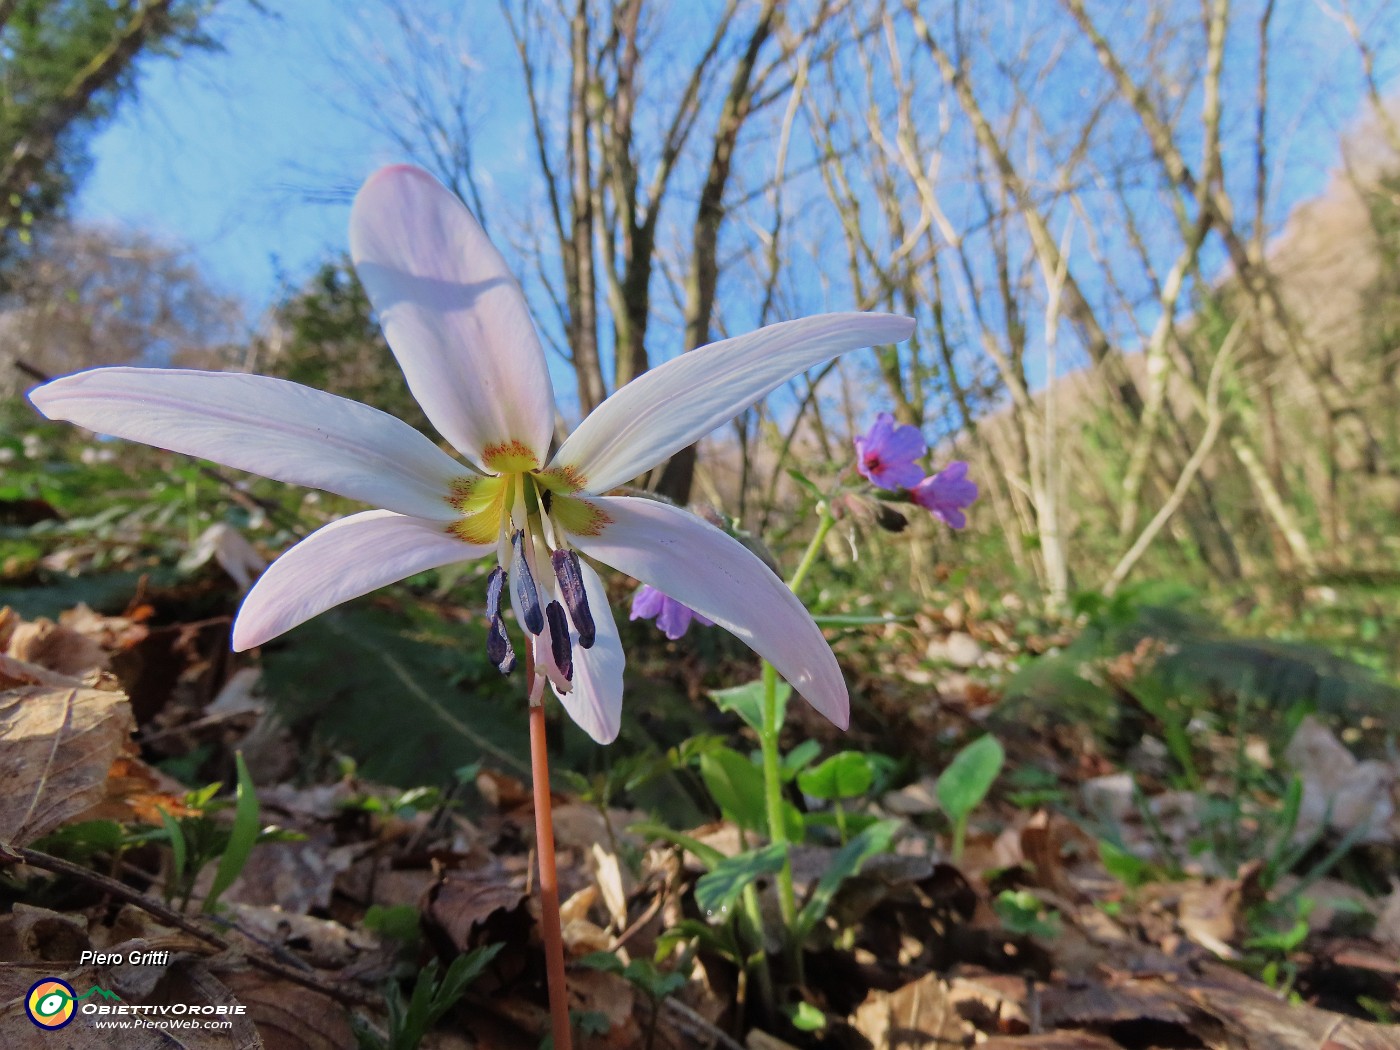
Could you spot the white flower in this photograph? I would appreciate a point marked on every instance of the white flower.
(459, 327)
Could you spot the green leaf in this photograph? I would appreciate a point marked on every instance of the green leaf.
(848, 861)
(717, 890)
(657, 984)
(736, 785)
(178, 850)
(847, 774)
(241, 837)
(607, 962)
(399, 921)
(805, 482)
(1022, 912)
(1130, 870)
(718, 939)
(806, 1018)
(969, 776)
(799, 758)
(746, 701)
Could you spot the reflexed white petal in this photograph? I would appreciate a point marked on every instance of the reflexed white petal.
(452, 312)
(716, 575)
(343, 560)
(676, 404)
(595, 701)
(271, 427)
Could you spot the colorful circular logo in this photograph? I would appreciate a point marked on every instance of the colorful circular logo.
(50, 1003)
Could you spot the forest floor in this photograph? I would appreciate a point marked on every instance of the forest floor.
(1104, 898)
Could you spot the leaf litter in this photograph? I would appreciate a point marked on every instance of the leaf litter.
(360, 884)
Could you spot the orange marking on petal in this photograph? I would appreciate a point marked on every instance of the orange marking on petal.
(562, 481)
(510, 457)
(578, 516)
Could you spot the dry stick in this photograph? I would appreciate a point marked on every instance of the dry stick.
(550, 927)
(341, 991)
(1215, 418)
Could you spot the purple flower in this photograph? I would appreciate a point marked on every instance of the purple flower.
(671, 616)
(886, 453)
(946, 493)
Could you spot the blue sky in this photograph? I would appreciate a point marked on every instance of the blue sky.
(222, 150)
(247, 155)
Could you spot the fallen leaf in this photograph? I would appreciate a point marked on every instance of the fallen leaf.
(58, 648)
(889, 1019)
(288, 1016)
(460, 901)
(57, 746)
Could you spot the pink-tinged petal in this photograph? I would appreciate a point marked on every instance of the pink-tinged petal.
(595, 701)
(717, 576)
(454, 315)
(343, 560)
(676, 404)
(272, 427)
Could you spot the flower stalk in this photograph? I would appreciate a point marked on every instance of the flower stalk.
(551, 928)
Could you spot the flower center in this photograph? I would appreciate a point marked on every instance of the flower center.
(527, 513)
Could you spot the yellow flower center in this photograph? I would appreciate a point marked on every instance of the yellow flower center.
(527, 513)
(490, 504)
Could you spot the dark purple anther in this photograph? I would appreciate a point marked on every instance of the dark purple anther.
(495, 583)
(570, 577)
(525, 592)
(559, 640)
(498, 648)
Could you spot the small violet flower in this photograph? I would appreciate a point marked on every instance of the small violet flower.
(886, 454)
(457, 322)
(672, 617)
(946, 493)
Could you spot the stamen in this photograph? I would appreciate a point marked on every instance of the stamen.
(498, 648)
(495, 583)
(559, 640)
(570, 576)
(524, 584)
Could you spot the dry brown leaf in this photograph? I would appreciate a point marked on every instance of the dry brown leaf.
(1100, 1005)
(1062, 1040)
(462, 900)
(1256, 1019)
(616, 999)
(58, 648)
(923, 1007)
(322, 942)
(56, 749)
(296, 877)
(288, 1016)
(111, 633)
(33, 935)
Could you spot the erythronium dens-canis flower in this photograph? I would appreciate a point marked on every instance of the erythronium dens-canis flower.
(458, 324)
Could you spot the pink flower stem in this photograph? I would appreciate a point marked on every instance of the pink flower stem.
(551, 929)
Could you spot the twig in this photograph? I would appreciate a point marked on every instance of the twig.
(340, 991)
(687, 1018)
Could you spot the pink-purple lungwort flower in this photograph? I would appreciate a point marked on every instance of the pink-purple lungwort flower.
(888, 453)
(947, 493)
(456, 320)
(672, 617)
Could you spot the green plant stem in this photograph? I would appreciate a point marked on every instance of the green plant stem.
(772, 730)
(959, 837)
